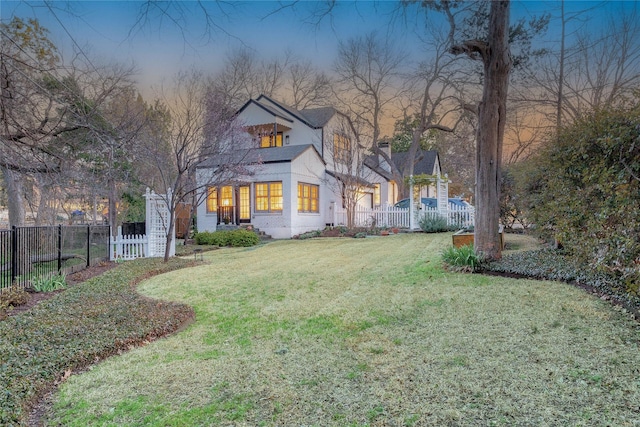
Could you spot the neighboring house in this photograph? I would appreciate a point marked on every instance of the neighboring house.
(426, 163)
(301, 167)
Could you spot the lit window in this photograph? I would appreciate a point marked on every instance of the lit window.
(307, 197)
(212, 200)
(267, 141)
(245, 212)
(341, 148)
(226, 196)
(268, 197)
(376, 194)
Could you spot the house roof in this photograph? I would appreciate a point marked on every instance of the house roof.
(344, 178)
(425, 161)
(312, 117)
(373, 163)
(267, 108)
(260, 156)
(319, 117)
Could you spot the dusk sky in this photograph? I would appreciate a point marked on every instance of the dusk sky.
(109, 31)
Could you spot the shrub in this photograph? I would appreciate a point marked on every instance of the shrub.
(243, 238)
(463, 258)
(214, 238)
(235, 238)
(586, 192)
(434, 224)
(310, 234)
(49, 283)
(12, 297)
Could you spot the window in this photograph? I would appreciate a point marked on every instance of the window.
(376, 194)
(226, 195)
(212, 200)
(307, 197)
(267, 141)
(245, 208)
(268, 196)
(341, 148)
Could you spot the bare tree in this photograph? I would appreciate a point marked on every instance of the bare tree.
(434, 101)
(590, 70)
(348, 175)
(367, 68)
(308, 86)
(30, 115)
(200, 125)
(606, 67)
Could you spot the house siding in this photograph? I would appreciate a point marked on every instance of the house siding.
(205, 221)
(307, 169)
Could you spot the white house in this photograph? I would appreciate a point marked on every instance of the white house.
(298, 170)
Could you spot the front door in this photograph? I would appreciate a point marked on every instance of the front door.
(226, 212)
(244, 203)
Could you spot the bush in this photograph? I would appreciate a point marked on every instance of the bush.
(12, 297)
(434, 224)
(310, 235)
(463, 258)
(214, 238)
(586, 192)
(235, 238)
(243, 238)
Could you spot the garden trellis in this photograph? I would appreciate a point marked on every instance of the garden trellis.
(151, 244)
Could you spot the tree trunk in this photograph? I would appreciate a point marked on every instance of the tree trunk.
(15, 197)
(491, 123)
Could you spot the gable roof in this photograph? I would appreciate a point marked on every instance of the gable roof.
(373, 163)
(266, 108)
(347, 178)
(260, 156)
(319, 117)
(312, 117)
(425, 161)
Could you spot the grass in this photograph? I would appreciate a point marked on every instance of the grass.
(78, 327)
(366, 332)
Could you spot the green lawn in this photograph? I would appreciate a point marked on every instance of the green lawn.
(355, 332)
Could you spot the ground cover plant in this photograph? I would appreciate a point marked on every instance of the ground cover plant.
(77, 327)
(555, 264)
(366, 332)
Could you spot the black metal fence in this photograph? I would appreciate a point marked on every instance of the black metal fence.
(28, 252)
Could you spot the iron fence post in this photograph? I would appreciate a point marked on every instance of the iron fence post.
(59, 248)
(88, 245)
(14, 252)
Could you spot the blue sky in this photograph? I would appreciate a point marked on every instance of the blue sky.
(107, 30)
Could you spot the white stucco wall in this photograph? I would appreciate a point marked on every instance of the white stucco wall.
(309, 169)
(205, 221)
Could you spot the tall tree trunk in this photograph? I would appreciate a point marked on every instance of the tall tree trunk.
(15, 197)
(113, 207)
(561, 71)
(492, 114)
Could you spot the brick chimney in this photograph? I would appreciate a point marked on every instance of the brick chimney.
(386, 147)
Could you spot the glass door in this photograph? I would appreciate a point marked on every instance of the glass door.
(244, 203)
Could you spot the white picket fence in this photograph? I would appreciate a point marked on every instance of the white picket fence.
(151, 244)
(389, 216)
(129, 247)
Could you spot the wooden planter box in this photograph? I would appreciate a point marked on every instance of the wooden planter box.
(462, 238)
